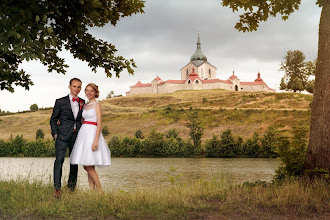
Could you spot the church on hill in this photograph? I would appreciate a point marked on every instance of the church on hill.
(198, 74)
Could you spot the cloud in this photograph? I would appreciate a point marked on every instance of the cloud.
(162, 40)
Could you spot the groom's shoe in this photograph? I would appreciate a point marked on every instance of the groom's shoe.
(57, 193)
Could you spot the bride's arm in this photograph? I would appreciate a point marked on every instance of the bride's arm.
(99, 126)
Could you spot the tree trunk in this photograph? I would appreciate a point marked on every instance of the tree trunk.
(318, 152)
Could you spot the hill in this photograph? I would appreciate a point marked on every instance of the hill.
(243, 112)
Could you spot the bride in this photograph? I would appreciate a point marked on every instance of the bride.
(90, 148)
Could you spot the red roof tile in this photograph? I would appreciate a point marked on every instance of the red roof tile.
(139, 84)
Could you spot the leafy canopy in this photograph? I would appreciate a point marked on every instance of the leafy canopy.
(297, 71)
(261, 10)
(39, 29)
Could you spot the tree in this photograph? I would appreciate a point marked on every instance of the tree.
(310, 86)
(40, 134)
(110, 95)
(296, 71)
(38, 30)
(34, 107)
(196, 129)
(318, 151)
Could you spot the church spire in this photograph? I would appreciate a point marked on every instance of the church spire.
(198, 58)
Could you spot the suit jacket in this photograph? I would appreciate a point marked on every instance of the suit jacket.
(62, 112)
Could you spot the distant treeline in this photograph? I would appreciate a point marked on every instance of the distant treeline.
(168, 144)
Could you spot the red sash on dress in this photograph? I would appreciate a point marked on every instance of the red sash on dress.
(90, 123)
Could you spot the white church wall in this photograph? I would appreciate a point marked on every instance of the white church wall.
(140, 90)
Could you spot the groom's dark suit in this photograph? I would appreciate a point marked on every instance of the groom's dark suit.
(65, 126)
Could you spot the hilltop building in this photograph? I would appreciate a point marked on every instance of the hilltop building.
(198, 74)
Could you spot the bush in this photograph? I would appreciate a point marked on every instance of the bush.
(105, 131)
(251, 147)
(34, 107)
(139, 134)
(269, 143)
(227, 145)
(293, 152)
(172, 133)
(40, 134)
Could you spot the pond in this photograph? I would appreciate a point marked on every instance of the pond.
(128, 173)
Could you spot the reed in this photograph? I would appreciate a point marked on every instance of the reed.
(216, 198)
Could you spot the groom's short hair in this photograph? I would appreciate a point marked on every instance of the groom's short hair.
(75, 79)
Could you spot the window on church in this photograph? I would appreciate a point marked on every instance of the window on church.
(209, 73)
(187, 72)
(189, 81)
(197, 81)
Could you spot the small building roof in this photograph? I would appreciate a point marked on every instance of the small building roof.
(140, 84)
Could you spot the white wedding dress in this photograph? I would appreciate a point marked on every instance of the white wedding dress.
(82, 153)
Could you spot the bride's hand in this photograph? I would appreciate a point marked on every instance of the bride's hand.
(95, 146)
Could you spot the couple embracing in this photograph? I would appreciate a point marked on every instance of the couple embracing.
(77, 125)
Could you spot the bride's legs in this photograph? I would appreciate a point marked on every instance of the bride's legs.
(92, 175)
(91, 182)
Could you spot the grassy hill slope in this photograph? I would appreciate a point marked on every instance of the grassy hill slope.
(243, 112)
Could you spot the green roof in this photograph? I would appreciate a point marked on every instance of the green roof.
(198, 58)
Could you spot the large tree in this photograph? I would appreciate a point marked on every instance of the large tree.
(318, 151)
(297, 71)
(39, 29)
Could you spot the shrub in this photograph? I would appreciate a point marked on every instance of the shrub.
(40, 134)
(269, 143)
(227, 145)
(293, 152)
(251, 147)
(105, 131)
(139, 134)
(211, 147)
(172, 133)
(196, 129)
(34, 107)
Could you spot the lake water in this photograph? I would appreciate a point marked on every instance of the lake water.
(128, 173)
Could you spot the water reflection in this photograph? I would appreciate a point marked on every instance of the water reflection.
(128, 173)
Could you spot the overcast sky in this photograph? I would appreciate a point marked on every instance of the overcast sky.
(162, 40)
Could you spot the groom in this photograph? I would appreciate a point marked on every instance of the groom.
(65, 124)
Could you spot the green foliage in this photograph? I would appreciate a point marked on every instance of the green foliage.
(310, 86)
(260, 11)
(296, 71)
(269, 142)
(292, 152)
(110, 94)
(172, 133)
(196, 128)
(38, 30)
(139, 134)
(19, 147)
(40, 134)
(105, 131)
(34, 107)
(227, 146)
(251, 147)
(155, 145)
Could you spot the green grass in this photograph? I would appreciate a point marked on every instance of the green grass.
(201, 199)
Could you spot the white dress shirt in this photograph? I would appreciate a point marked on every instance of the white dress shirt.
(75, 108)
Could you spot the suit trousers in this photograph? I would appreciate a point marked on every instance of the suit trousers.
(60, 149)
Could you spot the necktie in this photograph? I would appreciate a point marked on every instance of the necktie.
(75, 99)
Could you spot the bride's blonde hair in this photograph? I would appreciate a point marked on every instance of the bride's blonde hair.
(95, 88)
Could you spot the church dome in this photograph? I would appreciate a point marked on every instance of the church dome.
(259, 78)
(198, 58)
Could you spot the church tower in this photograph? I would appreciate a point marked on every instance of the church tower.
(198, 61)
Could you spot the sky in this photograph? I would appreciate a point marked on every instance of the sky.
(162, 40)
